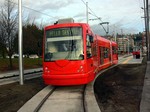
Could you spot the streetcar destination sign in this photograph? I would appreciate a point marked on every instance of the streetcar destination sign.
(61, 32)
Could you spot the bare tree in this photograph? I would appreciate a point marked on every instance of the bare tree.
(8, 21)
(2, 41)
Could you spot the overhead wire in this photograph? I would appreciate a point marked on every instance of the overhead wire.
(35, 10)
(98, 18)
(92, 12)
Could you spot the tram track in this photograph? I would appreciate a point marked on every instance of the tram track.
(57, 99)
(65, 99)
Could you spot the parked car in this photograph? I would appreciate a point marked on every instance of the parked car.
(33, 56)
(15, 56)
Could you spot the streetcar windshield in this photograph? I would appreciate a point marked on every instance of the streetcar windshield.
(64, 43)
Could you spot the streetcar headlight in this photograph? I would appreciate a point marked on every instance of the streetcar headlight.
(80, 69)
(47, 70)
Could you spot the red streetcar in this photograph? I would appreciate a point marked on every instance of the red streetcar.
(136, 52)
(73, 54)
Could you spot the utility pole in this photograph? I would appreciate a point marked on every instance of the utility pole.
(20, 43)
(122, 41)
(128, 45)
(87, 13)
(145, 20)
(148, 37)
(115, 33)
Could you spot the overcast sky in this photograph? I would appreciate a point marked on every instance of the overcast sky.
(121, 14)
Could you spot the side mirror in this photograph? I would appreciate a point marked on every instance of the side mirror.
(91, 39)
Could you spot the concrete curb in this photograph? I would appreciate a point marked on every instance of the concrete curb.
(90, 100)
(34, 102)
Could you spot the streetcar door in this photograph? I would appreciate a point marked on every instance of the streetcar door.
(89, 43)
(101, 55)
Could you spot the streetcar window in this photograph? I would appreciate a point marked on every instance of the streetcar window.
(102, 55)
(113, 50)
(64, 43)
(91, 38)
(106, 52)
(116, 50)
(88, 47)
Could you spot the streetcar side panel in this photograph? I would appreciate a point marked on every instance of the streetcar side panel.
(114, 53)
(104, 52)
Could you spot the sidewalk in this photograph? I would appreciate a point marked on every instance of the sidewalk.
(145, 101)
(11, 73)
(125, 55)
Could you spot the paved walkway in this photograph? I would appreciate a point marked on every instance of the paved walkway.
(145, 101)
(11, 73)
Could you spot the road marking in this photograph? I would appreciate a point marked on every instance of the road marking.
(127, 60)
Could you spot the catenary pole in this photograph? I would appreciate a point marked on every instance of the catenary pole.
(128, 46)
(115, 33)
(20, 43)
(145, 20)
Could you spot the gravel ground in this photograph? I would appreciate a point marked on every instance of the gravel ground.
(120, 89)
(13, 96)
